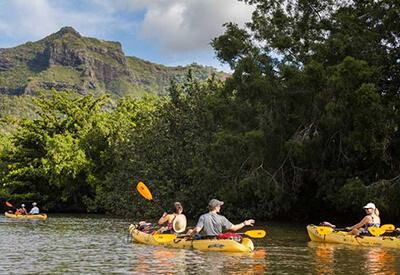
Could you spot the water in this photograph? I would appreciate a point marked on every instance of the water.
(85, 244)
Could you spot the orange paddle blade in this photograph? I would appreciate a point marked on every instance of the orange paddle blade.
(8, 204)
(144, 191)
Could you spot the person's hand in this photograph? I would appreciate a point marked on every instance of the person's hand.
(347, 228)
(164, 215)
(249, 222)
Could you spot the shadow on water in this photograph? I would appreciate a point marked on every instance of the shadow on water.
(93, 244)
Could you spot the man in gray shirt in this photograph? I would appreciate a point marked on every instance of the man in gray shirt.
(212, 223)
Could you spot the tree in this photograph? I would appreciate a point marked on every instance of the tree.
(158, 149)
(315, 87)
(53, 159)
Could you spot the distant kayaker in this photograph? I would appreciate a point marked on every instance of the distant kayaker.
(370, 220)
(176, 210)
(397, 231)
(34, 210)
(212, 224)
(22, 210)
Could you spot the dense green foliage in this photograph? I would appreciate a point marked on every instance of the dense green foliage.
(316, 83)
(54, 157)
(307, 125)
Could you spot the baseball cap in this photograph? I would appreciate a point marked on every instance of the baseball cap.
(370, 205)
(214, 203)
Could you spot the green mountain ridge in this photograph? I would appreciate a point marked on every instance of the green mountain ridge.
(67, 61)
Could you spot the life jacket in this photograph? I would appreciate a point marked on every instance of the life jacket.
(230, 236)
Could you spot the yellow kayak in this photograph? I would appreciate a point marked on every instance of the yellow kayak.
(34, 217)
(343, 238)
(207, 244)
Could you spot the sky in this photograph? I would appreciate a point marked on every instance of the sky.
(168, 32)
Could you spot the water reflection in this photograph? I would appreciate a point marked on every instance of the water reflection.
(153, 260)
(381, 261)
(260, 261)
(324, 258)
(333, 258)
(166, 261)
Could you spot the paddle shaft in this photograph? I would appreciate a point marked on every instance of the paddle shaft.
(386, 226)
(10, 205)
(344, 229)
(340, 229)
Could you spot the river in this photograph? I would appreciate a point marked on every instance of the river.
(96, 244)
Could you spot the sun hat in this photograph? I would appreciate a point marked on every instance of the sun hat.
(179, 223)
(370, 205)
(214, 203)
(34, 204)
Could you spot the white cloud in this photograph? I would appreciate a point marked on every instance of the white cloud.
(184, 25)
(33, 14)
(34, 19)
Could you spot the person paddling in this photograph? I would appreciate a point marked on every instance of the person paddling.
(177, 210)
(370, 220)
(34, 210)
(212, 224)
(22, 210)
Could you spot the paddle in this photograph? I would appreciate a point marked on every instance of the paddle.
(377, 231)
(164, 238)
(144, 191)
(388, 227)
(325, 230)
(10, 205)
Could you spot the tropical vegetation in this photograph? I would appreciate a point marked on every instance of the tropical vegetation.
(306, 126)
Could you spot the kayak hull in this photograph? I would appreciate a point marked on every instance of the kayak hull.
(29, 217)
(342, 238)
(184, 243)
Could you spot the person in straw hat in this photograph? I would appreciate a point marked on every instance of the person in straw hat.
(370, 220)
(175, 221)
(212, 224)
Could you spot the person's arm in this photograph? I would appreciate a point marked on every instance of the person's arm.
(198, 228)
(367, 219)
(238, 226)
(195, 231)
(163, 219)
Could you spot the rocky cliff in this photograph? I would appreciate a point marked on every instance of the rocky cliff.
(68, 61)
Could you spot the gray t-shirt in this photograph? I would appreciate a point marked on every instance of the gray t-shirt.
(212, 224)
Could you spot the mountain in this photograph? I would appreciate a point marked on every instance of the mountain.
(68, 61)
